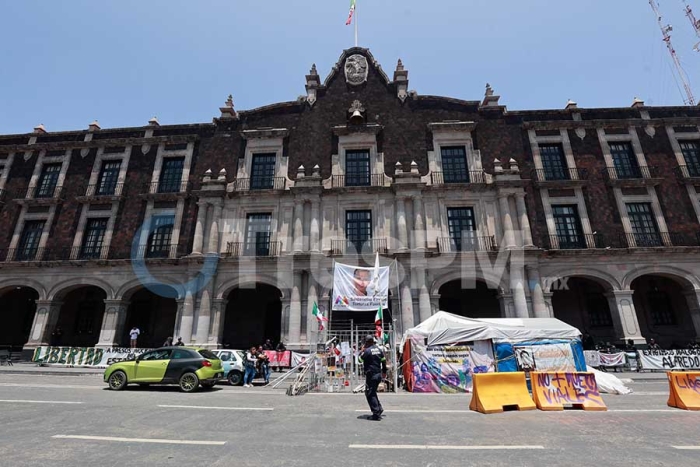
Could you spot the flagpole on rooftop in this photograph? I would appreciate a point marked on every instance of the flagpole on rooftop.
(355, 24)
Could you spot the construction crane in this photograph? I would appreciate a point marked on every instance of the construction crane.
(666, 33)
(696, 24)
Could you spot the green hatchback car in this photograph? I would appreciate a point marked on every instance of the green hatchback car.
(188, 367)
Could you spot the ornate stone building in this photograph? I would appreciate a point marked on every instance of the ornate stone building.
(225, 233)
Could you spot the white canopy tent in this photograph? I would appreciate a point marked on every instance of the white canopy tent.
(445, 328)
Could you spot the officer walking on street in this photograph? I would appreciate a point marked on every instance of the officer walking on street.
(372, 357)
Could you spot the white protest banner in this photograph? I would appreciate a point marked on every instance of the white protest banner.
(680, 359)
(91, 357)
(612, 359)
(592, 358)
(545, 357)
(356, 289)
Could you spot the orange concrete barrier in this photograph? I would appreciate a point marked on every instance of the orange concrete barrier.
(494, 391)
(684, 389)
(554, 390)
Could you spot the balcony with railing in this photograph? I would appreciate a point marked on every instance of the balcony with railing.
(633, 176)
(104, 193)
(80, 253)
(258, 249)
(260, 183)
(574, 242)
(655, 240)
(352, 247)
(467, 243)
(458, 177)
(40, 195)
(157, 252)
(166, 189)
(688, 172)
(24, 254)
(560, 176)
(345, 181)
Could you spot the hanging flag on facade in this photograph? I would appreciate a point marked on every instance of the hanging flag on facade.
(319, 317)
(378, 319)
(352, 12)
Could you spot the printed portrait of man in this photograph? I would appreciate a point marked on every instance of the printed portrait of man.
(361, 279)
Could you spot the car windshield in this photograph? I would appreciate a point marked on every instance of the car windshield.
(208, 354)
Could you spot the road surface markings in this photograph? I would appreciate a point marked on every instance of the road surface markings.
(24, 401)
(422, 411)
(214, 408)
(48, 386)
(140, 440)
(687, 448)
(445, 448)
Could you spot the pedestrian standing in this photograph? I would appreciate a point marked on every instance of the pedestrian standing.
(280, 355)
(268, 345)
(250, 360)
(179, 342)
(134, 334)
(374, 361)
(168, 342)
(264, 365)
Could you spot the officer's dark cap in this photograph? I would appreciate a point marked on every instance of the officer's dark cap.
(369, 338)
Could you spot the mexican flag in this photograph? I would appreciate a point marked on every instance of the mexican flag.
(352, 12)
(319, 317)
(378, 319)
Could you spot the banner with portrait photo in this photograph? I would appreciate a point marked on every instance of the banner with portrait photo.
(449, 369)
(355, 288)
(545, 357)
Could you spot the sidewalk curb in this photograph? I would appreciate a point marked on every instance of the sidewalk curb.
(48, 373)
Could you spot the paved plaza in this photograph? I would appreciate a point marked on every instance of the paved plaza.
(52, 420)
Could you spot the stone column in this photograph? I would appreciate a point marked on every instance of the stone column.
(693, 299)
(187, 319)
(298, 230)
(295, 310)
(423, 295)
(419, 225)
(113, 322)
(218, 315)
(517, 288)
(524, 220)
(204, 317)
(311, 325)
(538, 306)
(508, 237)
(406, 306)
(199, 229)
(315, 226)
(214, 230)
(401, 231)
(624, 316)
(45, 320)
(548, 303)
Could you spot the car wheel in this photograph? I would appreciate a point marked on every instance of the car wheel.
(235, 378)
(117, 380)
(189, 382)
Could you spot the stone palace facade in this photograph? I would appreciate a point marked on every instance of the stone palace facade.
(226, 233)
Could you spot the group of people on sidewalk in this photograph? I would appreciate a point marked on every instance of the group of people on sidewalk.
(258, 362)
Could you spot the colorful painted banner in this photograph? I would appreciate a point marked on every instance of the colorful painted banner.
(279, 358)
(545, 357)
(91, 357)
(612, 359)
(449, 369)
(681, 359)
(358, 289)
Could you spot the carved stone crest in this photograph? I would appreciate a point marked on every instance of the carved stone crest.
(356, 69)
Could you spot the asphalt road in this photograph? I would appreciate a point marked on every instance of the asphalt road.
(74, 421)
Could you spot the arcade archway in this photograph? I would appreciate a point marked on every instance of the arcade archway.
(253, 315)
(80, 318)
(478, 301)
(17, 309)
(581, 303)
(153, 311)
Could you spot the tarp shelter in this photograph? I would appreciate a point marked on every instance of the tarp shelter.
(442, 353)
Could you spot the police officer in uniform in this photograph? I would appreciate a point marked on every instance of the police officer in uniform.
(372, 357)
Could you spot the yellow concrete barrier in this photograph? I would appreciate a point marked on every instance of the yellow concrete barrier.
(684, 389)
(494, 391)
(555, 390)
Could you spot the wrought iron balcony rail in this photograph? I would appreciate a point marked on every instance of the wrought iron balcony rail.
(157, 251)
(352, 247)
(267, 249)
(560, 174)
(164, 187)
(467, 243)
(79, 253)
(574, 242)
(105, 190)
(43, 192)
(458, 176)
(24, 254)
(260, 183)
(339, 181)
(688, 171)
(654, 240)
(631, 172)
